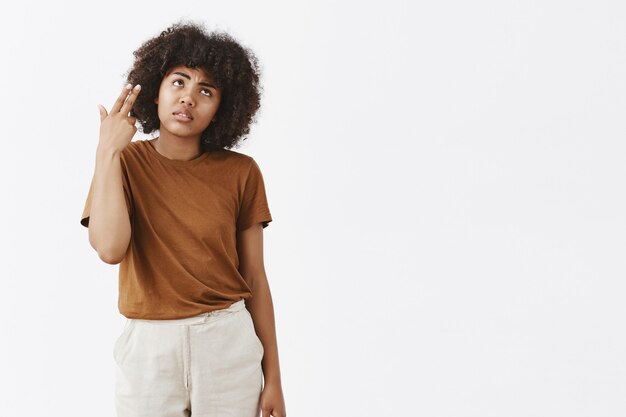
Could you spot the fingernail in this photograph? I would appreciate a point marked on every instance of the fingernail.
(128, 86)
(137, 87)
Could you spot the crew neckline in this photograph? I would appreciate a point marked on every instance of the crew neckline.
(175, 162)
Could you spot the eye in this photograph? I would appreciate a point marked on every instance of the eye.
(210, 94)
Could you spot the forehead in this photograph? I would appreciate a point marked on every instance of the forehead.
(192, 72)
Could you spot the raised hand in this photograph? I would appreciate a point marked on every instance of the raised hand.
(117, 127)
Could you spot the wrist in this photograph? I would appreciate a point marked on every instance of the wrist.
(106, 151)
(273, 381)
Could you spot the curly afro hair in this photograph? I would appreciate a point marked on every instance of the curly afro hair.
(234, 68)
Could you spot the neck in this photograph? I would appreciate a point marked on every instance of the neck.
(179, 149)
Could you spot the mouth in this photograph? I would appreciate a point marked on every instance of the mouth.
(183, 116)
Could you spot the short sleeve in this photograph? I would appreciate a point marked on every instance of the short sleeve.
(254, 208)
(84, 218)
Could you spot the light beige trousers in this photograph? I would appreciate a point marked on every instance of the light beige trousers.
(208, 365)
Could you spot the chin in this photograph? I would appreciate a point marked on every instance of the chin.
(182, 131)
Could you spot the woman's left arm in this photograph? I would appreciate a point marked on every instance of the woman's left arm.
(252, 268)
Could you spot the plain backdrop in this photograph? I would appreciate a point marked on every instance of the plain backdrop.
(446, 181)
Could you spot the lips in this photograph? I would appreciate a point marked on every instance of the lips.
(183, 113)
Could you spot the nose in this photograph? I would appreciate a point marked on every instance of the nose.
(186, 99)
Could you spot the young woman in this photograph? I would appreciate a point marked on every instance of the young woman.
(183, 214)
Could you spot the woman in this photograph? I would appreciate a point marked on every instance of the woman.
(183, 215)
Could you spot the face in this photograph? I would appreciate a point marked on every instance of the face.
(188, 90)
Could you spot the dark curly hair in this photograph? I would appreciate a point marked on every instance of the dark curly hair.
(233, 66)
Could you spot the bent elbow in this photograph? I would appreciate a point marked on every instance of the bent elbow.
(110, 258)
(110, 254)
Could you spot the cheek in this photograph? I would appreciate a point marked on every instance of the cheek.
(159, 110)
(160, 101)
(162, 95)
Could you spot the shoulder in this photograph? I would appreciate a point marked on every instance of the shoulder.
(241, 160)
(238, 156)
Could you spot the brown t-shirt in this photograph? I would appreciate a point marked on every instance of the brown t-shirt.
(182, 258)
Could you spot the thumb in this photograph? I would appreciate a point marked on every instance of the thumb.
(103, 112)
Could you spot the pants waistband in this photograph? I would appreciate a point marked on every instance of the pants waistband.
(200, 318)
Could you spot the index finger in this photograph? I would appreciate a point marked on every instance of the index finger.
(128, 104)
(120, 100)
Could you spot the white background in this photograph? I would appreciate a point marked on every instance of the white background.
(445, 178)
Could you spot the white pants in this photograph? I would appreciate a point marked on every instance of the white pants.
(208, 365)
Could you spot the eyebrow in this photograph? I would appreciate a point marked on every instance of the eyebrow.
(182, 74)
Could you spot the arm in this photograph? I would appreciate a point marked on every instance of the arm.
(109, 224)
(251, 267)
